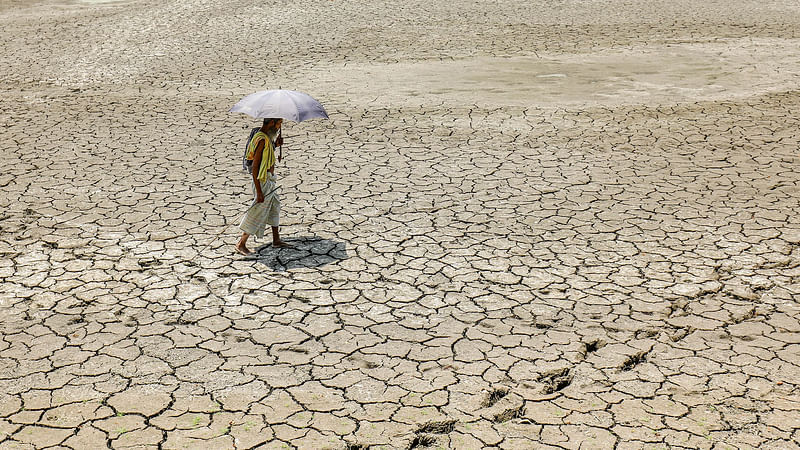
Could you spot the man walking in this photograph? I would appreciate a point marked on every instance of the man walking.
(266, 207)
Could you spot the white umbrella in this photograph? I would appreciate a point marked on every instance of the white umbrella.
(280, 103)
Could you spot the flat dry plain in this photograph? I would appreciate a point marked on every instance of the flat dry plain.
(527, 224)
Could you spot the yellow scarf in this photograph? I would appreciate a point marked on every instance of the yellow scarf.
(267, 155)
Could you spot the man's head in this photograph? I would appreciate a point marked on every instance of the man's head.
(272, 123)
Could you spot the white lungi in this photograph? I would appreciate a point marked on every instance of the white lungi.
(265, 213)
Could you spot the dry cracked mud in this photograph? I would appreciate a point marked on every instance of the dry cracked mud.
(527, 224)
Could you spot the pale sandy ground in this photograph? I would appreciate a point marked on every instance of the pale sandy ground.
(546, 224)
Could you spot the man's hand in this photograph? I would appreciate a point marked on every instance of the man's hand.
(259, 197)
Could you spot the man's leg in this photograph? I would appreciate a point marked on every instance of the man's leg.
(241, 247)
(276, 239)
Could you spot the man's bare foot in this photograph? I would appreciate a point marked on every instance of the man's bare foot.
(281, 244)
(242, 250)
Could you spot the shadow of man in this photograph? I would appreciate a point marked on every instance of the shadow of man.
(308, 251)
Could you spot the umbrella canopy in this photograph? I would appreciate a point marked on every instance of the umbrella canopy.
(280, 103)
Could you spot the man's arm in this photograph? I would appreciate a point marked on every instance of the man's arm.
(279, 143)
(256, 167)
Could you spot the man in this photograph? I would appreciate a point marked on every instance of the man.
(267, 207)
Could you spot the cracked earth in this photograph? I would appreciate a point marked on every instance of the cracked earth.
(525, 225)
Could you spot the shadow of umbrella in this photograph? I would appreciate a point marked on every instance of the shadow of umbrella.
(309, 251)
